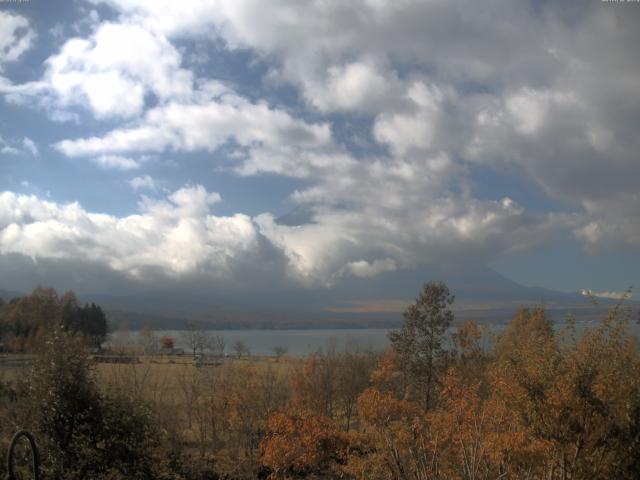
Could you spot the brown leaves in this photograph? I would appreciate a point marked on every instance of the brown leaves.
(299, 442)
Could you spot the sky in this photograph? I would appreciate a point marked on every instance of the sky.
(245, 144)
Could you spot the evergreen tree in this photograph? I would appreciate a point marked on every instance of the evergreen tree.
(418, 343)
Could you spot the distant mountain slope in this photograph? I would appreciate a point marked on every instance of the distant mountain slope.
(7, 295)
(481, 294)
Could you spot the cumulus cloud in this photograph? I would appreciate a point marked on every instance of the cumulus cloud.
(144, 182)
(269, 139)
(363, 86)
(111, 76)
(316, 42)
(362, 268)
(441, 89)
(424, 125)
(175, 236)
(16, 37)
(110, 73)
(116, 162)
(30, 146)
(179, 237)
(488, 92)
(449, 231)
(19, 147)
(7, 148)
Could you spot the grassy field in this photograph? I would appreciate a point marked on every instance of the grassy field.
(190, 401)
(162, 378)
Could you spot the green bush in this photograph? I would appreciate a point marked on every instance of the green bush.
(84, 433)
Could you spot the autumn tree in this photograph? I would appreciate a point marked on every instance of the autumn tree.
(195, 337)
(469, 355)
(249, 405)
(577, 400)
(474, 436)
(313, 384)
(167, 343)
(352, 378)
(418, 343)
(394, 442)
(28, 318)
(300, 444)
(148, 340)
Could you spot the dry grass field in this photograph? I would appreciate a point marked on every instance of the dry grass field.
(217, 407)
(171, 381)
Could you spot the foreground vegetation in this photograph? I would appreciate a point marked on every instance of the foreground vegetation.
(542, 404)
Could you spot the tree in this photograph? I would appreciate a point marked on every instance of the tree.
(90, 319)
(95, 327)
(195, 337)
(419, 342)
(577, 400)
(65, 401)
(26, 319)
(394, 443)
(167, 343)
(29, 316)
(217, 345)
(279, 351)
(300, 444)
(470, 358)
(240, 348)
(83, 431)
(148, 340)
(352, 378)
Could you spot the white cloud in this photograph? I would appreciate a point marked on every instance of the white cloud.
(144, 182)
(109, 93)
(266, 137)
(425, 231)
(421, 126)
(530, 91)
(30, 146)
(9, 150)
(362, 268)
(187, 18)
(57, 31)
(177, 236)
(344, 55)
(444, 87)
(15, 147)
(530, 108)
(116, 162)
(110, 73)
(361, 86)
(16, 37)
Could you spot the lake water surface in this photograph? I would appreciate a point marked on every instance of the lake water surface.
(297, 342)
(303, 342)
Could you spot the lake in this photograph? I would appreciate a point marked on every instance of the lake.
(297, 342)
(301, 342)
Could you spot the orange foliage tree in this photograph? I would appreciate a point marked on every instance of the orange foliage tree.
(299, 443)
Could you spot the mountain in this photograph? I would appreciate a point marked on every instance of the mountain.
(7, 295)
(481, 294)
